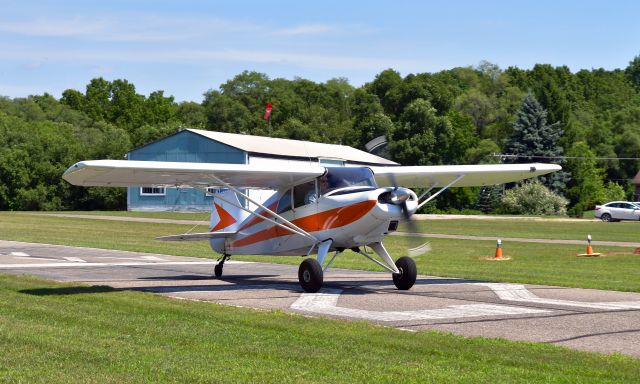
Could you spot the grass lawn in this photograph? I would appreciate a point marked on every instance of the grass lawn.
(198, 216)
(64, 333)
(548, 229)
(531, 263)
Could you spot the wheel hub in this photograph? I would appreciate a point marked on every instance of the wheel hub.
(306, 276)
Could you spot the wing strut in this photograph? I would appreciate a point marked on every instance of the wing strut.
(439, 191)
(261, 216)
(289, 225)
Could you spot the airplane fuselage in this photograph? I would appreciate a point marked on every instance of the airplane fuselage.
(350, 217)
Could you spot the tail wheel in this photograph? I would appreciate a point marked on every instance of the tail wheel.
(408, 273)
(310, 275)
(605, 217)
(217, 270)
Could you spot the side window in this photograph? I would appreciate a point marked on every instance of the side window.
(285, 202)
(626, 206)
(304, 194)
(614, 205)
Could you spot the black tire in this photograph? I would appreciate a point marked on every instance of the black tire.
(408, 273)
(605, 217)
(310, 275)
(217, 270)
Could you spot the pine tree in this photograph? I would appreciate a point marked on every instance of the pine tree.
(489, 198)
(533, 140)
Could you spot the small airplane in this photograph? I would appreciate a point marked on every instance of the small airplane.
(315, 209)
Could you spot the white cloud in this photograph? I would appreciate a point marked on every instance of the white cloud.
(153, 28)
(196, 56)
(309, 29)
(53, 28)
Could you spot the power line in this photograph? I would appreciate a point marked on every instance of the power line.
(563, 157)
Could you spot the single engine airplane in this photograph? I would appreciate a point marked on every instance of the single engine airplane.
(315, 209)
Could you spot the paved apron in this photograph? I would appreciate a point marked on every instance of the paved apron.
(586, 319)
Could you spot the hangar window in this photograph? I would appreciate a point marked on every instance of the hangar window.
(152, 191)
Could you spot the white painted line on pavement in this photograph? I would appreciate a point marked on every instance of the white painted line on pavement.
(75, 259)
(33, 258)
(55, 264)
(154, 258)
(519, 293)
(326, 303)
(84, 265)
(21, 254)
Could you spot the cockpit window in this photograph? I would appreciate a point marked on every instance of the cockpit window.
(341, 177)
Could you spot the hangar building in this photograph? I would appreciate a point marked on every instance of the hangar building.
(200, 146)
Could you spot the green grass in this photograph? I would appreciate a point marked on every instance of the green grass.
(64, 333)
(199, 216)
(548, 229)
(532, 263)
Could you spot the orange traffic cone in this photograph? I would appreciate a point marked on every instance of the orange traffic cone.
(498, 256)
(589, 248)
(590, 252)
(499, 250)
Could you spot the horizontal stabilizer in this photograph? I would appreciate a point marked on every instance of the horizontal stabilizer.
(196, 236)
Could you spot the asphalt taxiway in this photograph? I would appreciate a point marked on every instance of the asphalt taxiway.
(586, 319)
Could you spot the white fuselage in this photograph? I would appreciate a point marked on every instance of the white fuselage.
(349, 218)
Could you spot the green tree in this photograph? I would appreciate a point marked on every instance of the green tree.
(632, 72)
(420, 137)
(97, 104)
(535, 140)
(587, 186)
(191, 115)
(225, 114)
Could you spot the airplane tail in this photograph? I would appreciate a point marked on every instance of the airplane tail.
(224, 216)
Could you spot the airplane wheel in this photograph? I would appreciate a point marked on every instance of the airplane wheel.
(310, 275)
(408, 272)
(217, 270)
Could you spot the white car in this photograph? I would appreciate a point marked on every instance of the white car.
(618, 210)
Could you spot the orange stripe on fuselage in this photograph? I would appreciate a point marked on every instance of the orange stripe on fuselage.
(330, 219)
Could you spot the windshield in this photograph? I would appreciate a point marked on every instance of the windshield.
(341, 177)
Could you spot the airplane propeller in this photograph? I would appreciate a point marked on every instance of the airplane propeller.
(399, 196)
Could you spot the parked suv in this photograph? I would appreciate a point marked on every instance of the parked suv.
(618, 210)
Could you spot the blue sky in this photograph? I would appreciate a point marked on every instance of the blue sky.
(188, 47)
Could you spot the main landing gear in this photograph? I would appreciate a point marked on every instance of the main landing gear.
(408, 273)
(311, 272)
(217, 270)
(310, 275)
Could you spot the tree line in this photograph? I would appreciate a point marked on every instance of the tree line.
(588, 121)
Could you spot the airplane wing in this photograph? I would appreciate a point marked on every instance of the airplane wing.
(126, 173)
(472, 175)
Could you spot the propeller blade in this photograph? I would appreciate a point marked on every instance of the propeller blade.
(419, 250)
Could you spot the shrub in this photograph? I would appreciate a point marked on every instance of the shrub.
(533, 198)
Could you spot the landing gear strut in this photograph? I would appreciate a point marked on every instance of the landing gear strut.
(217, 270)
(404, 271)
